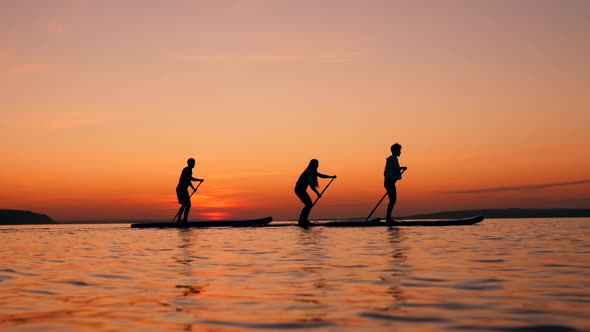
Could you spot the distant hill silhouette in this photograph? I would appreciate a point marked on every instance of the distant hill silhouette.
(18, 217)
(506, 213)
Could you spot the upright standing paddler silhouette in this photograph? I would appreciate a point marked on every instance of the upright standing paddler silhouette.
(309, 177)
(393, 173)
(185, 181)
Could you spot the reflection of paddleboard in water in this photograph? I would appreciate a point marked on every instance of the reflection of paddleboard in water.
(414, 222)
(266, 222)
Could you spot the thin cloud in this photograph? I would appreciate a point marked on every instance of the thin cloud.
(69, 120)
(520, 188)
(56, 27)
(28, 67)
(220, 203)
(241, 4)
(270, 57)
(235, 175)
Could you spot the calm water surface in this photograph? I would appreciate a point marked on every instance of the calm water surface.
(501, 275)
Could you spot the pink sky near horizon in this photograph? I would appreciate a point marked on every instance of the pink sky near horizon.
(103, 102)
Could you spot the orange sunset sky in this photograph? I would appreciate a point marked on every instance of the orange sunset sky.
(102, 102)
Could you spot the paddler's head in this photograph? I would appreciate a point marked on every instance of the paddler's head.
(396, 149)
(191, 162)
(314, 164)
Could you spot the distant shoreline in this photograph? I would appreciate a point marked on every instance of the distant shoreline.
(18, 217)
(511, 213)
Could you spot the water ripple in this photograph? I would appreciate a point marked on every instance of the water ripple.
(412, 319)
(503, 275)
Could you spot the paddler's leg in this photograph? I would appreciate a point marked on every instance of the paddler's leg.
(187, 209)
(180, 213)
(185, 203)
(304, 197)
(392, 194)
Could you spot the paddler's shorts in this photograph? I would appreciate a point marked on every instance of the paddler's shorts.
(183, 197)
(389, 185)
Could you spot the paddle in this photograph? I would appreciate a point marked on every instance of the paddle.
(376, 206)
(381, 200)
(194, 191)
(322, 193)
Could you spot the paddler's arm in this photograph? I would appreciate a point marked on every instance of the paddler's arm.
(316, 191)
(326, 176)
(194, 179)
(401, 171)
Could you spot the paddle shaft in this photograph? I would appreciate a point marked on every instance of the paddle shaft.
(381, 200)
(194, 191)
(197, 187)
(376, 206)
(326, 187)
